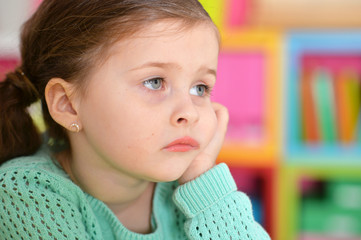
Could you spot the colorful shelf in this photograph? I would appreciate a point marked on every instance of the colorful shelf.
(323, 105)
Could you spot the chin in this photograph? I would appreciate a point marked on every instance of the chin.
(167, 175)
(169, 168)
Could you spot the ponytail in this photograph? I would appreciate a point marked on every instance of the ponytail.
(18, 134)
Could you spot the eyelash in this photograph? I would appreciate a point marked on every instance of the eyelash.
(207, 88)
(153, 79)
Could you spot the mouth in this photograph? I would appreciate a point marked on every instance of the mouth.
(184, 144)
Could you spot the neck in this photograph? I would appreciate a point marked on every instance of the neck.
(136, 215)
(129, 198)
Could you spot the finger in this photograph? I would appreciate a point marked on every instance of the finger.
(222, 117)
(222, 121)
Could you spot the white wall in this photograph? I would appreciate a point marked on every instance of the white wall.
(12, 14)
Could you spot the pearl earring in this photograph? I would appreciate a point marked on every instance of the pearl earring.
(75, 127)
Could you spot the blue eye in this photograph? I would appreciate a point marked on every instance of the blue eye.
(154, 84)
(199, 90)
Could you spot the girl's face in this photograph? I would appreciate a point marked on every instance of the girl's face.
(154, 89)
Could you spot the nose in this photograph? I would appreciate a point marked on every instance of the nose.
(184, 111)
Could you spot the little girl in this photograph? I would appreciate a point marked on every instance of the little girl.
(132, 135)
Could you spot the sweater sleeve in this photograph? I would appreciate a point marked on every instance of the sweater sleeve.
(215, 209)
(33, 205)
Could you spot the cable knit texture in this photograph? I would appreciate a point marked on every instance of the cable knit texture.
(39, 201)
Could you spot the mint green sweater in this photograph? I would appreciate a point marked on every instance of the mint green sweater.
(39, 201)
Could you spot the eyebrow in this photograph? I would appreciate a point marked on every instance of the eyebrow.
(173, 65)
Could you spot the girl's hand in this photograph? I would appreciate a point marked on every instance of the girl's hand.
(206, 159)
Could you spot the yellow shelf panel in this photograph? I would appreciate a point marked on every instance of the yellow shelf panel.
(269, 43)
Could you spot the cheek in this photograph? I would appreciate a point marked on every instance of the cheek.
(138, 129)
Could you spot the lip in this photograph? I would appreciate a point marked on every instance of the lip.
(183, 144)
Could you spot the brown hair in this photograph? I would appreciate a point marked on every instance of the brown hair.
(66, 39)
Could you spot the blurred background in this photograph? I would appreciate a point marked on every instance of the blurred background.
(289, 73)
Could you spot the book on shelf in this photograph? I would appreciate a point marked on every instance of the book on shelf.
(310, 132)
(323, 95)
(347, 92)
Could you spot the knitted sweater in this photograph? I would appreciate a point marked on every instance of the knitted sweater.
(39, 201)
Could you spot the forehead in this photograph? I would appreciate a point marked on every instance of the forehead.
(168, 34)
(165, 28)
(168, 30)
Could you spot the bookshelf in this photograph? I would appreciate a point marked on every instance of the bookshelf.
(300, 117)
(323, 95)
(249, 85)
(322, 140)
(319, 202)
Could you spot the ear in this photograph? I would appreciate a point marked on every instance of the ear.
(62, 102)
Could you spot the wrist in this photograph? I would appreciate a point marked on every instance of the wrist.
(202, 192)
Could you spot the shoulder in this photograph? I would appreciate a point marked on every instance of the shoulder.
(40, 160)
(38, 173)
(38, 196)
